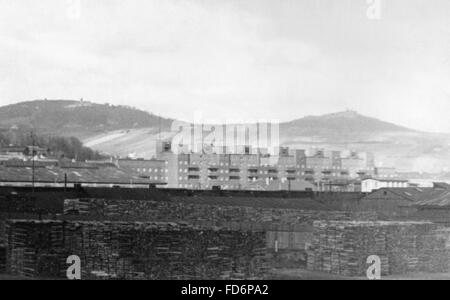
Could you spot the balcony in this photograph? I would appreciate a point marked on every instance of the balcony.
(310, 172)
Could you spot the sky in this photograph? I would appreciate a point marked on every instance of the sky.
(234, 60)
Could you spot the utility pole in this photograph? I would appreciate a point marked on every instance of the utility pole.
(33, 164)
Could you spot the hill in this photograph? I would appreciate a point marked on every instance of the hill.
(342, 125)
(76, 118)
(393, 145)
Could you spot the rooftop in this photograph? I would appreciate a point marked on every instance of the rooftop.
(438, 201)
(77, 174)
(415, 194)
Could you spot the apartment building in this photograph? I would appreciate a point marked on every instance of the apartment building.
(156, 171)
(358, 164)
(247, 167)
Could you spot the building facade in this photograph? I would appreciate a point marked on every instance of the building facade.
(249, 167)
(371, 184)
(156, 171)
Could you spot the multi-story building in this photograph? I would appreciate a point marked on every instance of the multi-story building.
(156, 171)
(248, 166)
(358, 164)
(386, 172)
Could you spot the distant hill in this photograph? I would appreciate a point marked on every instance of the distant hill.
(393, 145)
(342, 126)
(123, 130)
(76, 118)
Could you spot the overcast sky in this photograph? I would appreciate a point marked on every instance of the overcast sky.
(233, 59)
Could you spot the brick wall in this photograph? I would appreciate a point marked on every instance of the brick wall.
(2, 230)
(2, 245)
(134, 250)
(246, 217)
(404, 247)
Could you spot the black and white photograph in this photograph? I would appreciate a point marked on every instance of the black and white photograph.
(224, 146)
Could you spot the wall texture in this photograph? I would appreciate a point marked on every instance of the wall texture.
(343, 247)
(134, 250)
(213, 215)
(2, 246)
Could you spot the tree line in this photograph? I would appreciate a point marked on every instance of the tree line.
(57, 147)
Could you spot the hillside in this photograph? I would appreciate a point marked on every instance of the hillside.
(348, 125)
(122, 130)
(76, 118)
(393, 145)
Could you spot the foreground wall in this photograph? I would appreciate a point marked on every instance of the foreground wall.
(287, 229)
(404, 247)
(2, 246)
(268, 218)
(435, 214)
(132, 250)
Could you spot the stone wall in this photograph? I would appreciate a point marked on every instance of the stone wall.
(342, 248)
(134, 250)
(2, 246)
(2, 230)
(266, 218)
